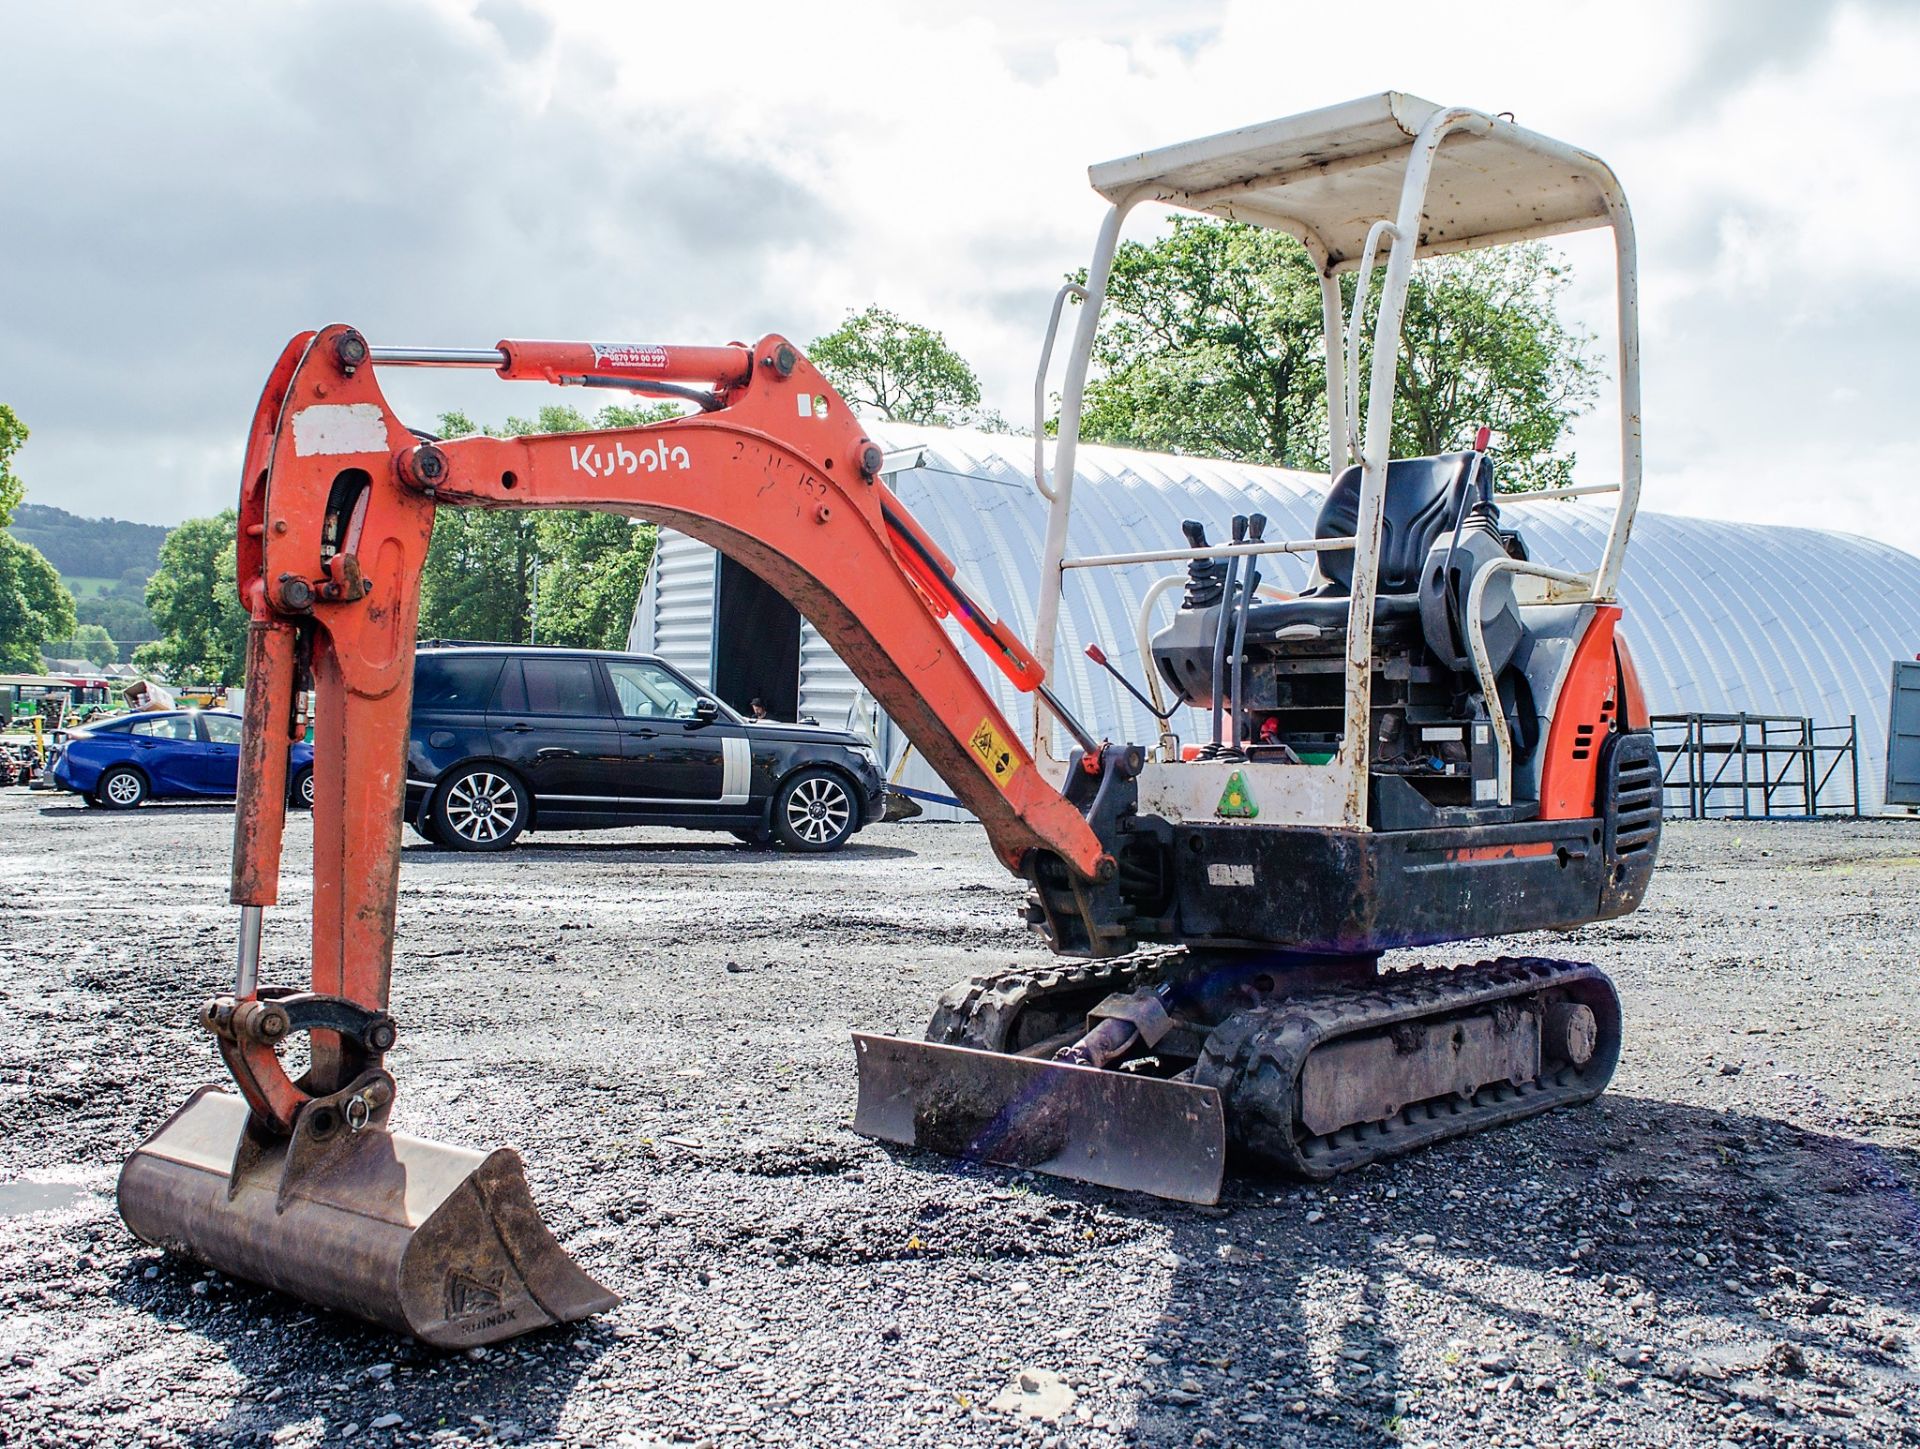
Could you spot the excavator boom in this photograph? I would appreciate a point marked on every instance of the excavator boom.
(298, 1183)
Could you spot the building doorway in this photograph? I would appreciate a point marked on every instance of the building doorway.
(756, 643)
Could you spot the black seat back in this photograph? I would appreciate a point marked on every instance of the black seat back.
(1423, 500)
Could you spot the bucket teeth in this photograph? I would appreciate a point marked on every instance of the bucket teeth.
(439, 1242)
(1114, 1129)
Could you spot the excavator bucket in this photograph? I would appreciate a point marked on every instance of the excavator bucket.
(1113, 1129)
(435, 1241)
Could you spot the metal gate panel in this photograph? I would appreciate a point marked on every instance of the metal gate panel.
(1903, 735)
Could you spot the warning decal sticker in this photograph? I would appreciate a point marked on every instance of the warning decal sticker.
(1236, 801)
(994, 752)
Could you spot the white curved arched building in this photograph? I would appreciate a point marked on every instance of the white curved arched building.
(1722, 617)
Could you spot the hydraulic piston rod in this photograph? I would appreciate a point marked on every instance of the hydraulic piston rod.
(556, 361)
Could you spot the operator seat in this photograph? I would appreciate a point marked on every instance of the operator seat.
(1439, 529)
(1424, 498)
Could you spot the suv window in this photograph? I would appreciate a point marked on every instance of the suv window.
(560, 686)
(646, 691)
(167, 727)
(454, 681)
(222, 729)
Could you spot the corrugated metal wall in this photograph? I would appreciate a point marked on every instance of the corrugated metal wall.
(674, 617)
(1723, 617)
(828, 690)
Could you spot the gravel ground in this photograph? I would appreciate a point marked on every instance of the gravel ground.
(1723, 1249)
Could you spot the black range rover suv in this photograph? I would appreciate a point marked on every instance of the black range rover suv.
(511, 738)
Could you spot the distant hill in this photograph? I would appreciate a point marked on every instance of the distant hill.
(89, 548)
(106, 562)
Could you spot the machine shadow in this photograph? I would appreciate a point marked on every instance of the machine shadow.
(1275, 1331)
(335, 1369)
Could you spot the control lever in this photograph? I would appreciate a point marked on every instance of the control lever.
(1223, 631)
(1099, 656)
(1256, 532)
(1203, 574)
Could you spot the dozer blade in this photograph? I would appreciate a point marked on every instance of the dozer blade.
(1114, 1129)
(435, 1241)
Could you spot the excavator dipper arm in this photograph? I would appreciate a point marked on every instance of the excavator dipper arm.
(337, 511)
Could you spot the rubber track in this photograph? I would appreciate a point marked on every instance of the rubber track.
(980, 1012)
(1254, 1059)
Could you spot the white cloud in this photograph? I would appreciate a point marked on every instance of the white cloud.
(190, 186)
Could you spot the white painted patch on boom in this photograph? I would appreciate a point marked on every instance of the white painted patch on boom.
(327, 429)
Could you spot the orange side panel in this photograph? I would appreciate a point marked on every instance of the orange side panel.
(1583, 716)
(1521, 850)
(1633, 698)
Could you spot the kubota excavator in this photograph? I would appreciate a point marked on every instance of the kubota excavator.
(1438, 740)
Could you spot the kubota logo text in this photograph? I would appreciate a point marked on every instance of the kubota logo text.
(596, 462)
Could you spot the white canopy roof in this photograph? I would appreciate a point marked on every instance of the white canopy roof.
(1328, 175)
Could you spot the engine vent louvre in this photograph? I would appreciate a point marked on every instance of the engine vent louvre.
(1636, 791)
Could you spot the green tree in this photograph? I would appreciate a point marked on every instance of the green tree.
(95, 645)
(1482, 343)
(566, 577)
(196, 606)
(477, 582)
(34, 604)
(13, 434)
(1211, 344)
(903, 371)
(592, 568)
(121, 611)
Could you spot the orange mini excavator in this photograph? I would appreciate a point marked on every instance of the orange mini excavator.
(1438, 740)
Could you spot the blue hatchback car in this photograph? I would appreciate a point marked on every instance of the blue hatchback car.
(165, 754)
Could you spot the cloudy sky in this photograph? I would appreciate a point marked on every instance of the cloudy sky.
(184, 186)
